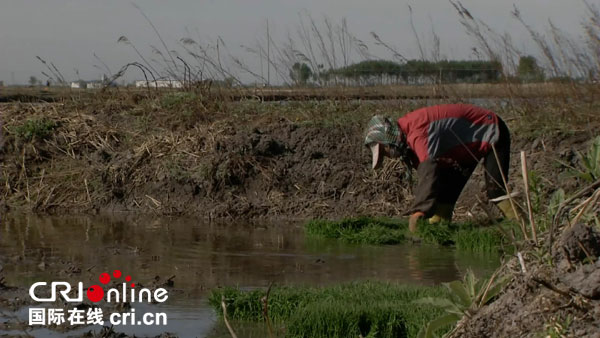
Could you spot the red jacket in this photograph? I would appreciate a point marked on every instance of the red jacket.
(456, 132)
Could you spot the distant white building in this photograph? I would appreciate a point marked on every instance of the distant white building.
(159, 84)
(94, 85)
(78, 84)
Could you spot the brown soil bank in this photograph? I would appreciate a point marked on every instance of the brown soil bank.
(184, 153)
(557, 297)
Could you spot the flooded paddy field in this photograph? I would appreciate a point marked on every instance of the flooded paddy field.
(190, 257)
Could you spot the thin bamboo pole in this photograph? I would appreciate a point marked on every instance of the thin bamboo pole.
(529, 208)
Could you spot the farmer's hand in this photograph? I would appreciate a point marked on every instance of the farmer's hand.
(412, 221)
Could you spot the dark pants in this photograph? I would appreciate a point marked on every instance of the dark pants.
(440, 183)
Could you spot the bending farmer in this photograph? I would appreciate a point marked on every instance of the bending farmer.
(445, 143)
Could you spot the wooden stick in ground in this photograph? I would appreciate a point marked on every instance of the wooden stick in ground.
(512, 202)
(231, 332)
(529, 208)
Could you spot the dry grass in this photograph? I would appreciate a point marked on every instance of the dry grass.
(115, 143)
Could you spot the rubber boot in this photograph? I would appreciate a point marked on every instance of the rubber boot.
(507, 209)
(443, 213)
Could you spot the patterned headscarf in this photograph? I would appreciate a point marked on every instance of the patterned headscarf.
(381, 130)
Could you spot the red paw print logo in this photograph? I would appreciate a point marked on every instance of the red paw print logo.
(95, 293)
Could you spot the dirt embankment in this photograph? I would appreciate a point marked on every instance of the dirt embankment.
(177, 156)
(557, 296)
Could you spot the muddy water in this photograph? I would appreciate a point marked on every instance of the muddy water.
(198, 256)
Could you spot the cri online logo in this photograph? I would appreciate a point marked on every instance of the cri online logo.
(95, 293)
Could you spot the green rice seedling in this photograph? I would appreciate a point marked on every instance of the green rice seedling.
(348, 319)
(464, 236)
(370, 309)
(378, 231)
(247, 305)
(361, 230)
(441, 233)
(376, 234)
(470, 237)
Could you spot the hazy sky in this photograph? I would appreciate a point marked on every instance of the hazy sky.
(69, 32)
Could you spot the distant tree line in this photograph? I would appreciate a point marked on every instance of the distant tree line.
(373, 72)
(528, 70)
(300, 73)
(382, 72)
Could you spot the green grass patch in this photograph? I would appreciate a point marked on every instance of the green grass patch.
(39, 129)
(177, 100)
(370, 309)
(378, 231)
